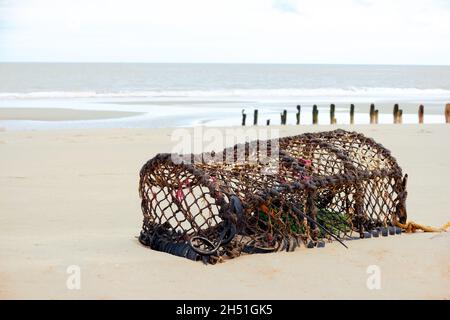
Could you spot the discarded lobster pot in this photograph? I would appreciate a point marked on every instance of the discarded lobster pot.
(257, 198)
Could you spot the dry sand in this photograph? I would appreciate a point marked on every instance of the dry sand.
(70, 198)
(60, 114)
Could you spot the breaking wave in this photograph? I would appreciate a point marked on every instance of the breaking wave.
(362, 92)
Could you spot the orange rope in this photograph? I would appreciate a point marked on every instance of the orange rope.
(411, 226)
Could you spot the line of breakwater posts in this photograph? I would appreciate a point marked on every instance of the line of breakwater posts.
(373, 115)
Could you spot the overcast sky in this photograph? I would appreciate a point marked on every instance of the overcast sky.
(272, 31)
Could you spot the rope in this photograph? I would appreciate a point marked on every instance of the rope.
(225, 237)
(411, 227)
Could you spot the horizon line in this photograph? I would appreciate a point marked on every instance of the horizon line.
(225, 63)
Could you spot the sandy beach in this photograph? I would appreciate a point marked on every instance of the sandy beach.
(69, 197)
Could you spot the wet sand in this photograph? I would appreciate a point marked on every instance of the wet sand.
(55, 114)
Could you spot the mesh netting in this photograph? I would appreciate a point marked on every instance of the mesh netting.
(272, 195)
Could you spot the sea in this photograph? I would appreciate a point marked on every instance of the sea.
(183, 95)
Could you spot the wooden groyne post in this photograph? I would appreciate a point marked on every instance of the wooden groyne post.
(315, 114)
(398, 114)
(447, 113)
(244, 116)
(268, 122)
(421, 113)
(283, 117)
(376, 116)
(372, 113)
(395, 113)
(352, 114)
(332, 114)
(299, 109)
(255, 117)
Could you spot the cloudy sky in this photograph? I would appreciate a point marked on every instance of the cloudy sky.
(272, 31)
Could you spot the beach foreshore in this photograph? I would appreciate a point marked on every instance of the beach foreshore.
(69, 197)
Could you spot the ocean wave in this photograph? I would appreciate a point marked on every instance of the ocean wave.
(362, 92)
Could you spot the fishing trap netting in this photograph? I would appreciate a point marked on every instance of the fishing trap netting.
(272, 195)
